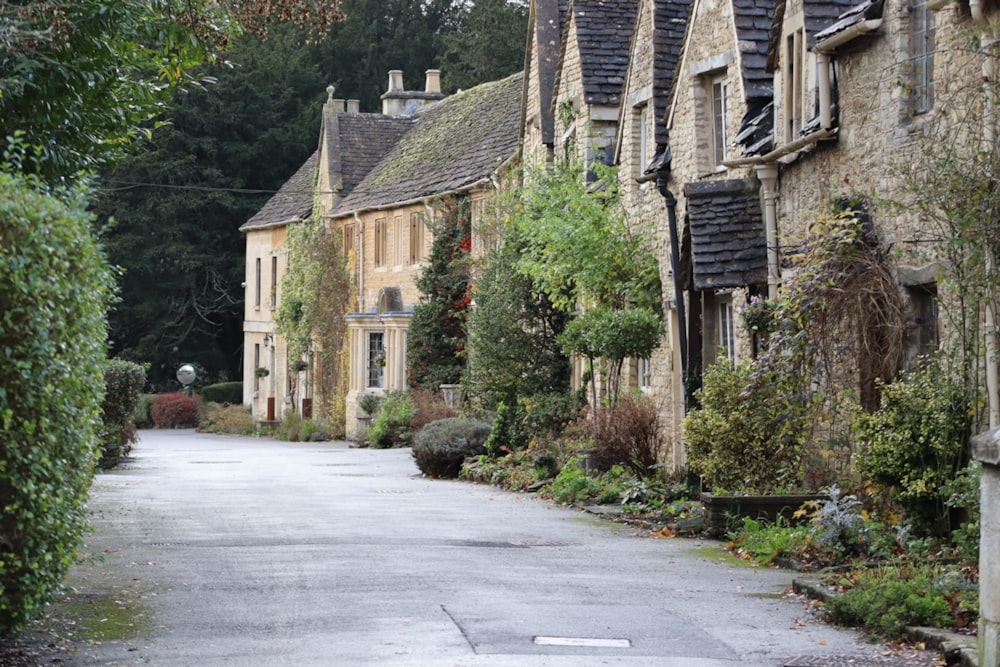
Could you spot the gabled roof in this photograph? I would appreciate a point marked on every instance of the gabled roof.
(670, 21)
(545, 24)
(603, 33)
(453, 144)
(728, 248)
(292, 202)
(753, 19)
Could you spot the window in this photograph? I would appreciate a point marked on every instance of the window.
(644, 374)
(640, 135)
(922, 55)
(348, 239)
(256, 293)
(274, 283)
(397, 240)
(727, 337)
(793, 84)
(718, 90)
(256, 365)
(376, 360)
(381, 242)
(416, 238)
(921, 322)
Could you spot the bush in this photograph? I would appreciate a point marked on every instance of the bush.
(391, 427)
(916, 442)
(430, 408)
(532, 419)
(223, 392)
(123, 383)
(142, 416)
(627, 434)
(175, 410)
(290, 428)
(573, 484)
(313, 430)
(370, 403)
(54, 289)
(219, 418)
(746, 438)
(442, 446)
(886, 600)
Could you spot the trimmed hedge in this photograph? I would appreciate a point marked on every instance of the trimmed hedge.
(54, 290)
(442, 446)
(223, 392)
(123, 383)
(175, 410)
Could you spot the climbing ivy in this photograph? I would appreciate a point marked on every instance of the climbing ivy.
(316, 295)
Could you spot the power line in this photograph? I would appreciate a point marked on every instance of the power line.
(131, 185)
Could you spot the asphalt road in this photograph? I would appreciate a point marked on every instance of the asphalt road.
(243, 551)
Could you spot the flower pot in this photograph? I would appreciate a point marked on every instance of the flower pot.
(720, 511)
(452, 394)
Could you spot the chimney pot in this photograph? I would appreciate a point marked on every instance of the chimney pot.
(395, 79)
(433, 81)
(338, 105)
(353, 106)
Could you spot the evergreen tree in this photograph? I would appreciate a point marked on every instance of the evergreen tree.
(436, 341)
(488, 45)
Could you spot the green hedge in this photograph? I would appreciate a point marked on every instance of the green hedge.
(123, 383)
(223, 392)
(54, 290)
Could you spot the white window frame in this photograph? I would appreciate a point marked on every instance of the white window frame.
(718, 118)
(375, 375)
(644, 374)
(725, 323)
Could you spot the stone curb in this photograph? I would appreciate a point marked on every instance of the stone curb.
(957, 649)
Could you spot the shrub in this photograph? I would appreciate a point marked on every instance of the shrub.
(430, 407)
(314, 430)
(142, 415)
(391, 427)
(532, 419)
(223, 392)
(289, 428)
(886, 600)
(123, 383)
(764, 542)
(746, 437)
(916, 442)
(219, 418)
(370, 403)
(573, 484)
(54, 289)
(442, 446)
(175, 410)
(627, 434)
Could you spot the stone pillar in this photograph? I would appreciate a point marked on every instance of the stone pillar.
(986, 449)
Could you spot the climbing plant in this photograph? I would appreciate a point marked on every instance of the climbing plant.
(316, 295)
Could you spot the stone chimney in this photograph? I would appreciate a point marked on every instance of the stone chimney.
(353, 106)
(399, 102)
(433, 81)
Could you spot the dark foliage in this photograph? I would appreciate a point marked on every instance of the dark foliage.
(223, 392)
(430, 407)
(442, 446)
(437, 336)
(123, 383)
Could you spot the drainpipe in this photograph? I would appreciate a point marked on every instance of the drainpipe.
(825, 90)
(768, 176)
(361, 262)
(675, 260)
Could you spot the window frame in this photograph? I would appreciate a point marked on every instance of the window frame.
(257, 285)
(923, 36)
(725, 327)
(274, 282)
(375, 374)
(379, 247)
(718, 118)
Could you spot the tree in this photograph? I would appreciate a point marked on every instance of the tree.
(513, 334)
(81, 80)
(488, 44)
(178, 202)
(436, 342)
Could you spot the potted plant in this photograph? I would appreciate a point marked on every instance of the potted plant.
(747, 443)
(261, 372)
(369, 405)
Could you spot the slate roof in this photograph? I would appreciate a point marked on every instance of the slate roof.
(753, 20)
(355, 142)
(603, 33)
(870, 9)
(728, 247)
(292, 202)
(670, 19)
(819, 16)
(456, 142)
